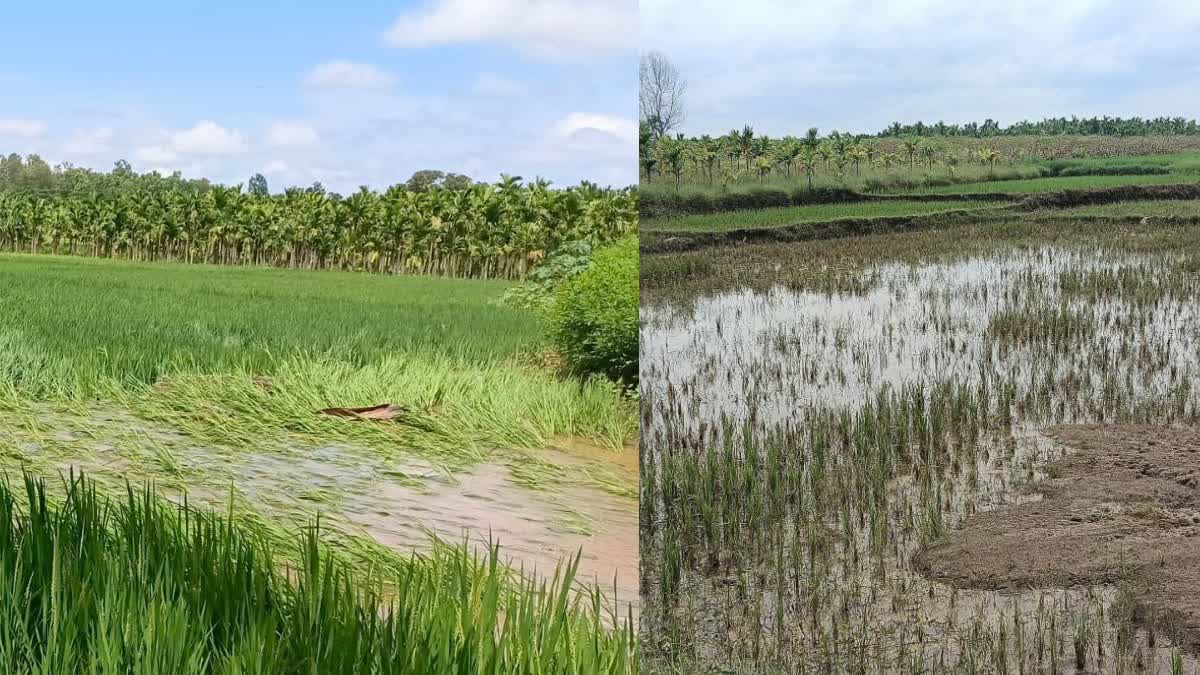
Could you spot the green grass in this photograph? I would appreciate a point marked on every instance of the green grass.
(778, 217)
(1054, 184)
(138, 585)
(1185, 208)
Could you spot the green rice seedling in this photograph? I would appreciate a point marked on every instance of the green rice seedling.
(135, 584)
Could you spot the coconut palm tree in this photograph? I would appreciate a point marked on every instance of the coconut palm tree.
(706, 157)
(671, 154)
(989, 157)
(787, 154)
(746, 147)
(808, 162)
(911, 147)
(479, 230)
(929, 155)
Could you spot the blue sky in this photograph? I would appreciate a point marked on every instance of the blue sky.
(857, 65)
(345, 93)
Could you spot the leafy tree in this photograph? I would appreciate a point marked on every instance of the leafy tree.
(258, 186)
(478, 230)
(11, 168)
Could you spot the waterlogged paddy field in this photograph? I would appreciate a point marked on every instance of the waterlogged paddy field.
(207, 382)
(839, 438)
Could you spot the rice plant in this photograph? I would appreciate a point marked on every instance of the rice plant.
(817, 415)
(135, 584)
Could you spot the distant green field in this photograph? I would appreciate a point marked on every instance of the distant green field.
(1180, 162)
(1169, 208)
(134, 321)
(1054, 184)
(779, 217)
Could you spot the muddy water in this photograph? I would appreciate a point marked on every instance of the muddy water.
(536, 529)
(398, 505)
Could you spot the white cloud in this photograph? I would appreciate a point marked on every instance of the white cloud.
(578, 125)
(22, 128)
(544, 28)
(291, 135)
(491, 84)
(597, 139)
(155, 154)
(84, 142)
(348, 75)
(783, 67)
(207, 138)
(275, 167)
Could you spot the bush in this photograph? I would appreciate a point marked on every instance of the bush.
(595, 315)
(536, 293)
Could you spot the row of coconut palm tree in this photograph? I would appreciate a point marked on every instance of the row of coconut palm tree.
(1052, 126)
(742, 153)
(484, 230)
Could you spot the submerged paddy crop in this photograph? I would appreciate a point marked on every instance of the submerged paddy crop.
(815, 415)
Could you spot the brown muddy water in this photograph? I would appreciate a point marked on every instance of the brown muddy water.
(398, 505)
(802, 449)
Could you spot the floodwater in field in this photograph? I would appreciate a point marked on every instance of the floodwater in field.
(399, 505)
(763, 356)
(870, 422)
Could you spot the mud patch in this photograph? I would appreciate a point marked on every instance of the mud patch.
(1122, 507)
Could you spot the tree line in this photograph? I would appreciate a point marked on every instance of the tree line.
(1051, 126)
(738, 153)
(440, 226)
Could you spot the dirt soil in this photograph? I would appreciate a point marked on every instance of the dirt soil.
(1123, 506)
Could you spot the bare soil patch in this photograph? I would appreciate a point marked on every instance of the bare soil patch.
(1123, 507)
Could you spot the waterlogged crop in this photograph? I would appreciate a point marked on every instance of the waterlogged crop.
(822, 419)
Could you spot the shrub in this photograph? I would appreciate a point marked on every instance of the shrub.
(595, 315)
(537, 292)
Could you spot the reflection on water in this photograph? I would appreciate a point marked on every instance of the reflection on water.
(756, 356)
